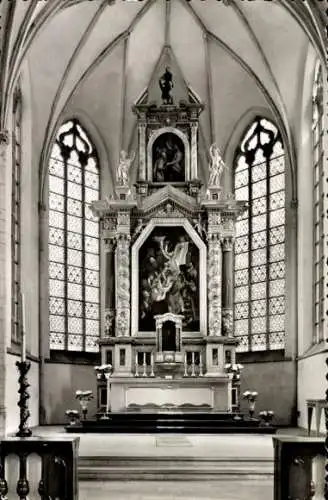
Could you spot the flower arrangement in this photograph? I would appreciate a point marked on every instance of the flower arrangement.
(233, 367)
(84, 397)
(266, 416)
(251, 397)
(103, 371)
(74, 417)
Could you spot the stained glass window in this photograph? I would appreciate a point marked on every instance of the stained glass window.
(73, 242)
(16, 214)
(318, 205)
(259, 278)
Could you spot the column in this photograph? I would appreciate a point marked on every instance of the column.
(109, 286)
(4, 142)
(193, 155)
(227, 290)
(123, 306)
(214, 264)
(142, 151)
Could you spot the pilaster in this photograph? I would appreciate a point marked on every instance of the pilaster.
(4, 142)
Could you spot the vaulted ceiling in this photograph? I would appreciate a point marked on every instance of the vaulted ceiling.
(95, 59)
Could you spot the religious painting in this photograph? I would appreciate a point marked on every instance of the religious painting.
(169, 278)
(168, 159)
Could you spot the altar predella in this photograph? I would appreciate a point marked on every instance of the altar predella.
(168, 240)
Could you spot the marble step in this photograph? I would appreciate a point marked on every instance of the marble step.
(173, 468)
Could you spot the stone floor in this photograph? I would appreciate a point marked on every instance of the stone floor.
(193, 445)
(224, 446)
(177, 490)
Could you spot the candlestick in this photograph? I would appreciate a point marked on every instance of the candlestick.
(23, 330)
(24, 414)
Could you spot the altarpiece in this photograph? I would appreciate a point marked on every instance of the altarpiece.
(168, 242)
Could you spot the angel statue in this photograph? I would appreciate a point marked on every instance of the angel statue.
(216, 166)
(122, 173)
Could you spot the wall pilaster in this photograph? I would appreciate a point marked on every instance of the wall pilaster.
(4, 142)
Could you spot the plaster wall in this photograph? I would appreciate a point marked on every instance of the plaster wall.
(61, 381)
(12, 410)
(275, 384)
(311, 385)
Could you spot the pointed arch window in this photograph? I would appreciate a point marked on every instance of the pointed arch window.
(259, 276)
(318, 205)
(73, 242)
(16, 214)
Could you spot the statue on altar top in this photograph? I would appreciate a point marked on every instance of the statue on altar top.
(123, 169)
(166, 85)
(216, 166)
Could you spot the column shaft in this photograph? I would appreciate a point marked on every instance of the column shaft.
(214, 265)
(142, 151)
(227, 290)
(123, 286)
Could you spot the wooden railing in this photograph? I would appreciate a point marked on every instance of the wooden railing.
(58, 478)
(299, 468)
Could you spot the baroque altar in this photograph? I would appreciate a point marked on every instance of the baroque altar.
(167, 325)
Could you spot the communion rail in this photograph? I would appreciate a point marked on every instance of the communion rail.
(52, 474)
(299, 468)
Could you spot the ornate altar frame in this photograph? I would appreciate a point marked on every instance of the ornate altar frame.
(135, 270)
(155, 135)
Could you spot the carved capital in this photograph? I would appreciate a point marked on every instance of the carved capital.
(294, 204)
(227, 243)
(109, 244)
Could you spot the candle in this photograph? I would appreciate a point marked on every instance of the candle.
(23, 330)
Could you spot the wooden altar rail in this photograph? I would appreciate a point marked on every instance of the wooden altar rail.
(299, 468)
(59, 477)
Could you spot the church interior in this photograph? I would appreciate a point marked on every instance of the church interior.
(164, 214)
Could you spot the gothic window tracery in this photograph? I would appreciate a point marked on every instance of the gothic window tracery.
(259, 274)
(318, 205)
(73, 242)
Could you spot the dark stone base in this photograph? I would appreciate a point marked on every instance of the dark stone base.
(167, 421)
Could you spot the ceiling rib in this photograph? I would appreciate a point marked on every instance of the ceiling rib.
(167, 23)
(255, 40)
(103, 54)
(209, 85)
(43, 16)
(70, 63)
(280, 115)
(123, 94)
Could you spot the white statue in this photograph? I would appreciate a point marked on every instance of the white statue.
(122, 173)
(216, 166)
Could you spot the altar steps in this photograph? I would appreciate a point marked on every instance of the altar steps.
(167, 422)
(173, 468)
